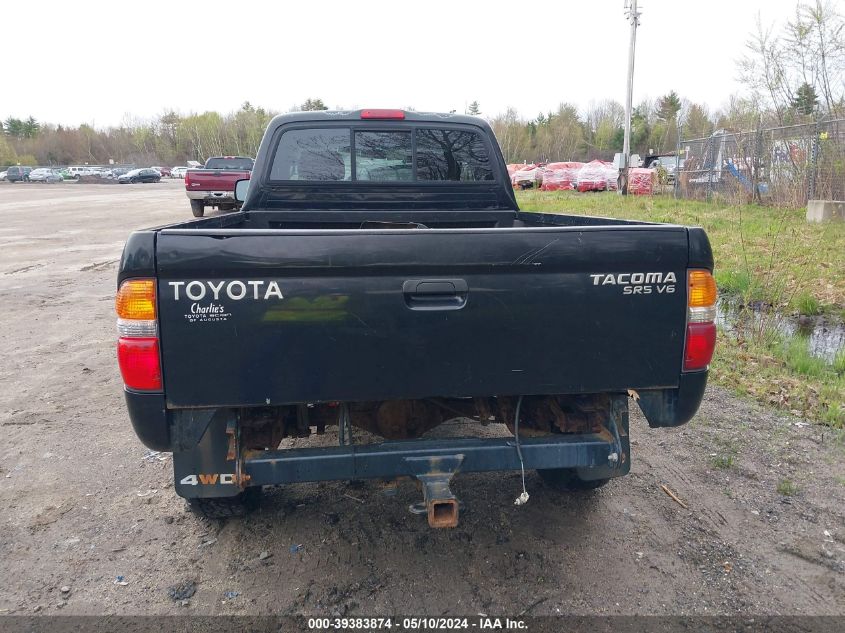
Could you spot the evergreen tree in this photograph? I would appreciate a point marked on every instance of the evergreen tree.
(697, 123)
(668, 106)
(640, 130)
(31, 127)
(14, 127)
(311, 105)
(474, 109)
(805, 100)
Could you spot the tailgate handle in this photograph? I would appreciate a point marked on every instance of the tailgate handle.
(435, 294)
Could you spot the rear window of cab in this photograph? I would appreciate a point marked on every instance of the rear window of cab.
(357, 155)
(230, 162)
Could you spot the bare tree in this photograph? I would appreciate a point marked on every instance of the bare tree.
(763, 69)
(828, 49)
(785, 69)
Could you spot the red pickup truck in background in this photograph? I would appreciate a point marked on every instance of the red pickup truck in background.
(214, 185)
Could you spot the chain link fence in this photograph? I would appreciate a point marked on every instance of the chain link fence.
(783, 166)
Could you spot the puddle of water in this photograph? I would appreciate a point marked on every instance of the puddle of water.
(825, 336)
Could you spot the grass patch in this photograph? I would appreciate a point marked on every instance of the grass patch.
(795, 353)
(834, 415)
(805, 303)
(780, 372)
(723, 462)
(839, 362)
(725, 458)
(787, 488)
(734, 282)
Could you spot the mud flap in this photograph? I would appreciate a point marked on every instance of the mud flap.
(674, 407)
(210, 467)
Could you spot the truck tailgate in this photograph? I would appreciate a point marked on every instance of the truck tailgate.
(214, 179)
(383, 314)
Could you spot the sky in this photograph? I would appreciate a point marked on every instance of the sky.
(104, 63)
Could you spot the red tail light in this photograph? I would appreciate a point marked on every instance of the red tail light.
(139, 363)
(701, 341)
(137, 327)
(188, 178)
(701, 314)
(382, 114)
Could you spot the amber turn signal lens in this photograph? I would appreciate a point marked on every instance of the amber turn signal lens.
(702, 289)
(136, 300)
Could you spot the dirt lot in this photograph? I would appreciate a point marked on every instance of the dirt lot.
(83, 503)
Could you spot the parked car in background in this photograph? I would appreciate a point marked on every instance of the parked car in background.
(164, 171)
(140, 175)
(668, 164)
(178, 172)
(117, 172)
(3, 175)
(214, 186)
(77, 171)
(16, 173)
(44, 174)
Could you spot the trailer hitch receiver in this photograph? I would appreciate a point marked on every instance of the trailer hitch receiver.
(434, 474)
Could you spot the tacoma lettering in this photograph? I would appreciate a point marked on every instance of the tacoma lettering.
(623, 279)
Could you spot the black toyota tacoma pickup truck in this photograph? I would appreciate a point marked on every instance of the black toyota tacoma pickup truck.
(380, 276)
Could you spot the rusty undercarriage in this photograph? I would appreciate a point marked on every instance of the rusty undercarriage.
(265, 428)
(259, 432)
(576, 437)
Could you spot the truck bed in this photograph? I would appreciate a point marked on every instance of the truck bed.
(416, 219)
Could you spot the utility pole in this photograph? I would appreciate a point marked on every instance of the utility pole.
(633, 17)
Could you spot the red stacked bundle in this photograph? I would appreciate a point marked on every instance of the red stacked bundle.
(514, 167)
(524, 175)
(560, 176)
(597, 175)
(641, 181)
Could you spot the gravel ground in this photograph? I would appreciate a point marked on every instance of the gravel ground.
(84, 503)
